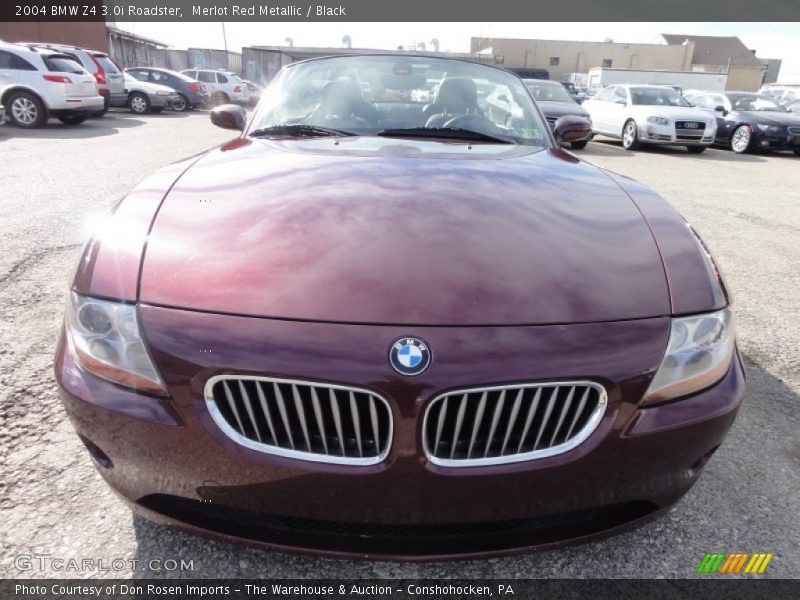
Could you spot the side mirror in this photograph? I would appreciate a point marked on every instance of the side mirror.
(229, 116)
(721, 109)
(572, 129)
(620, 101)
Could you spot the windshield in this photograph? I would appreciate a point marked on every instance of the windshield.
(657, 97)
(417, 96)
(548, 92)
(755, 102)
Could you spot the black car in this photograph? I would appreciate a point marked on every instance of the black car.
(747, 122)
(555, 101)
(192, 93)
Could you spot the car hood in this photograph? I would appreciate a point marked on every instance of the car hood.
(559, 109)
(672, 112)
(766, 117)
(377, 230)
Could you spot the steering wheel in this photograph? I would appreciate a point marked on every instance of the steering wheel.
(474, 122)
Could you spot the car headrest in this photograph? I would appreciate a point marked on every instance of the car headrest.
(457, 94)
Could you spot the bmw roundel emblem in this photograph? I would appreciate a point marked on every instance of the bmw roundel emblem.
(409, 356)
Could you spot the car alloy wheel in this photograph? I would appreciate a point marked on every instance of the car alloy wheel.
(180, 104)
(740, 140)
(24, 111)
(630, 136)
(139, 104)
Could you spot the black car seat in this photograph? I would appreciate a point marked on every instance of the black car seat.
(343, 105)
(456, 96)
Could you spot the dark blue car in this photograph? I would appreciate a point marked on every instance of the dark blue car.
(747, 122)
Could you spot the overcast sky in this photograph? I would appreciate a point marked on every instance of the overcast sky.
(770, 40)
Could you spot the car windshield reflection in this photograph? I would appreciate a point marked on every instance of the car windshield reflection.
(411, 97)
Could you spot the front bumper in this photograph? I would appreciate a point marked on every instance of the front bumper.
(157, 101)
(783, 140)
(169, 460)
(652, 133)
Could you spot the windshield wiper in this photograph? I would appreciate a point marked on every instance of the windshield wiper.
(445, 132)
(299, 130)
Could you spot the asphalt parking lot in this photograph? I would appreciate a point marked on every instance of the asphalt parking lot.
(52, 502)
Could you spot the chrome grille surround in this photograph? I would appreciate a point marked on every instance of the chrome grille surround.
(319, 422)
(537, 415)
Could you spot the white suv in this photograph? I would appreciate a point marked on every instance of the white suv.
(223, 86)
(36, 84)
(110, 80)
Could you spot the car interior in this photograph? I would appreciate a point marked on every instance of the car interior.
(402, 98)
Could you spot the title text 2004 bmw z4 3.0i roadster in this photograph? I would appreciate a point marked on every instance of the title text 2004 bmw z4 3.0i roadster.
(375, 327)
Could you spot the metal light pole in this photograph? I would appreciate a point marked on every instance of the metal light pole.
(225, 43)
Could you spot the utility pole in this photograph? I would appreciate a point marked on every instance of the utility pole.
(225, 43)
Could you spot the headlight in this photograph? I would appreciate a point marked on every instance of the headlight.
(698, 354)
(104, 337)
(163, 93)
(769, 128)
(658, 120)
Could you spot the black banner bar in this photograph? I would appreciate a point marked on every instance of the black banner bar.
(399, 10)
(732, 588)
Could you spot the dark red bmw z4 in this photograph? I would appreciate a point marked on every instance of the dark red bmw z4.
(393, 318)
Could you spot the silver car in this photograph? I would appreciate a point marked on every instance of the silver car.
(650, 114)
(143, 97)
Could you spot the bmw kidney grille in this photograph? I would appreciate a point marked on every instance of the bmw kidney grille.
(503, 424)
(299, 419)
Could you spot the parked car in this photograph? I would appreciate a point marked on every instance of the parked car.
(223, 86)
(109, 78)
(397, 341)
(254, 90)
(143, 97)
(787, 96)
(191, 93)
(2, 115)
(747, 121)
(555, 101)
(650, 114)
(572, 89)
(37, 83)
